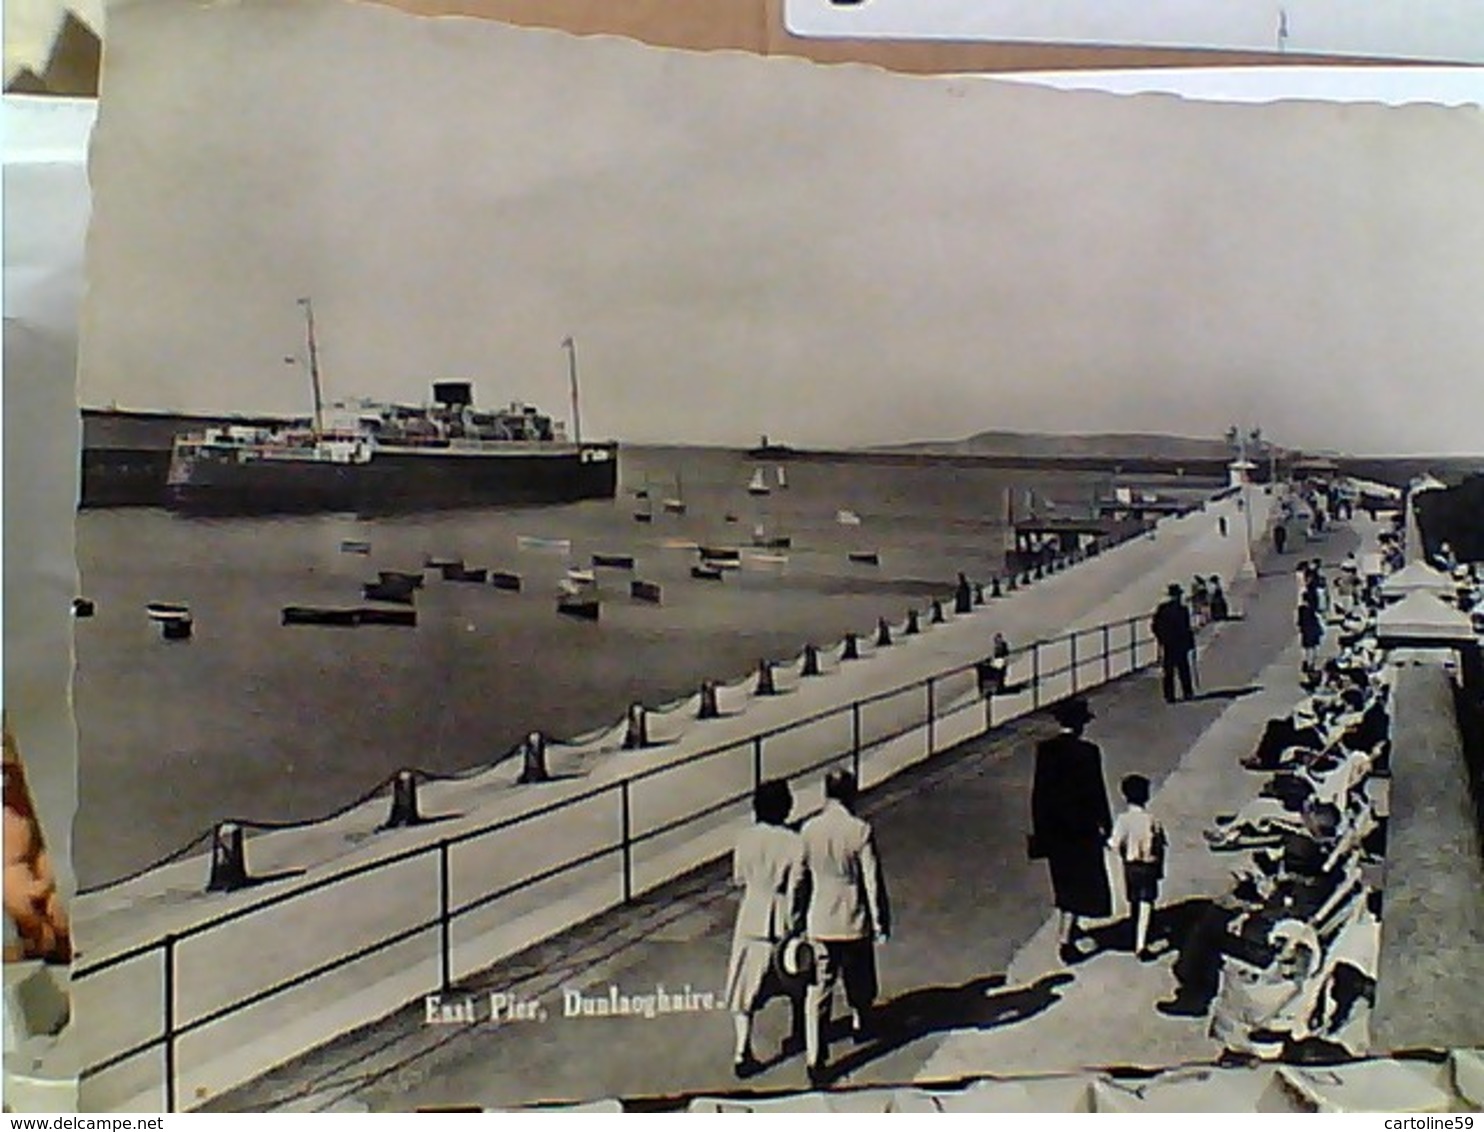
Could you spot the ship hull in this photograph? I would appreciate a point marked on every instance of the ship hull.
(392, 483)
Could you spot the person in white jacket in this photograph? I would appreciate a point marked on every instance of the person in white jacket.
(769, 867)
(848, 915)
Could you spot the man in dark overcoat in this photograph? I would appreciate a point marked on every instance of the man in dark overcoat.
(1176, 637)
(1070, 822)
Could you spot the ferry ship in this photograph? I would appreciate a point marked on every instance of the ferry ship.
(370, 457)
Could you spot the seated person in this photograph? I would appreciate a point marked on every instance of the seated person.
(1300, 729)
(1297, 888)
(1259, 1005)
(1302, 1006)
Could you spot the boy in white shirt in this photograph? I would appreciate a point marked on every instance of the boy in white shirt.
(1140, 842)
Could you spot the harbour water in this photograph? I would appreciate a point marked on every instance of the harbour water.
(253, 720)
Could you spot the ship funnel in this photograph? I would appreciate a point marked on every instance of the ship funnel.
(453, 394)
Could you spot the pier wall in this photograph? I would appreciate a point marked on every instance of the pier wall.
(1432, 938)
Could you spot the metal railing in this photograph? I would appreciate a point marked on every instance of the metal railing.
(1039, 674)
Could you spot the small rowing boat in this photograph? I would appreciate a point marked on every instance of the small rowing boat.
(585, 609)
(720, 553)
(543, 545)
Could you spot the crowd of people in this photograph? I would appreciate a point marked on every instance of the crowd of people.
(1283, 959)
(1282, 962)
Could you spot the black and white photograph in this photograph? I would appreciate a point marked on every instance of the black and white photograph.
(627, 567)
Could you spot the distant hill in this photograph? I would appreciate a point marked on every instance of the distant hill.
(1103, 445)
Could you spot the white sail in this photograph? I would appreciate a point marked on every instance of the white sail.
(676, 503)
(782, 477)
(847, 518)
(757, 485)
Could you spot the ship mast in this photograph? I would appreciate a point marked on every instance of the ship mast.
(571, 347)
(319, 422)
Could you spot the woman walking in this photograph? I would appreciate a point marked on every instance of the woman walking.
(769, 867)
(1071, 821)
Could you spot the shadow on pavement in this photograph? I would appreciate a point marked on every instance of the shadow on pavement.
(1168, 928)
(931, 1010)
(1226, 693)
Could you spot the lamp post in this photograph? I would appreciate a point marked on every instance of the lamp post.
(1238, 437)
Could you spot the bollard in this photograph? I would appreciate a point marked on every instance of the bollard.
(404, 801)
(1012, 585)
(708, 709)
(1040, 571)
(994, 587)
(83, 607)
(533, 752)
(978, 593)
(912, 626)
(883, 633)
(811, 661)
(1026, 579)
(637, 734)
(963, 600)
(851, 650)
(937, 617)
(228, 859)
(765, 686)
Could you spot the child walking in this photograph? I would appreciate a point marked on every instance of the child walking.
(1140, 842)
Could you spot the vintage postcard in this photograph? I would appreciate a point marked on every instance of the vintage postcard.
(620, 576)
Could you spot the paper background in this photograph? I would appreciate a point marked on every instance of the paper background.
(45, 216)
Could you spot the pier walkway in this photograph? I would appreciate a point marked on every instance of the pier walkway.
(970, 980)
(216, 970)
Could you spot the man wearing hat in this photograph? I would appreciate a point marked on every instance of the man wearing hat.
(1176, 639)
(848, 914)
(1070, 823)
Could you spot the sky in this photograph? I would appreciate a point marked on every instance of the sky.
(829, 255)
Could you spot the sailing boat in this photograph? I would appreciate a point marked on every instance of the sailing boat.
(782, 478)
(757, 485)
(676, 505)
